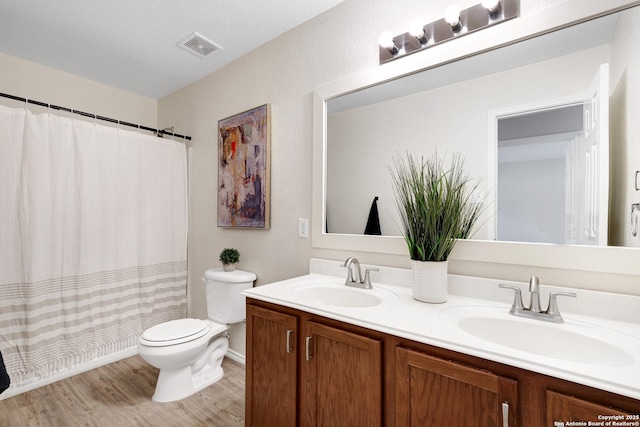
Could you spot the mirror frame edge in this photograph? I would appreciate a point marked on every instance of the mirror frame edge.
(610, 259)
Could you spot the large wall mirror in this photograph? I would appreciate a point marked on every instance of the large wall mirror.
(548, 124)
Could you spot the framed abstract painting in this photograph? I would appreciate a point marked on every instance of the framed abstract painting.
(243, 169)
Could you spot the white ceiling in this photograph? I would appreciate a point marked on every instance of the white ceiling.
(132, 44)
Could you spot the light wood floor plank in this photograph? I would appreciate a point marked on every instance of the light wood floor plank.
(119, 395)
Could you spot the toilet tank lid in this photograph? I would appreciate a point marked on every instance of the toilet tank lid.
(235, 276)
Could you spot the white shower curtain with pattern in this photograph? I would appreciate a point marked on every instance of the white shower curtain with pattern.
(92, 240)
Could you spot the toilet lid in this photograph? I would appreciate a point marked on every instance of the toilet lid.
(176, 331)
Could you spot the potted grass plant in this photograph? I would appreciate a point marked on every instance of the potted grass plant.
(229, 257)
(436, 208)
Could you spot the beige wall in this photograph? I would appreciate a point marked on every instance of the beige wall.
(29, 80)
(282, 73)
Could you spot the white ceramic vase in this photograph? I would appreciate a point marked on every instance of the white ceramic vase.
(229, 267)
(430, 281)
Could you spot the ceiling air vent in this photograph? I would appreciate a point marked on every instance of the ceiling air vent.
(199, 45)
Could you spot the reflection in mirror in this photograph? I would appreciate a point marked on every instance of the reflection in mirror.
(535, 169)
(465, 107)
(553, 170)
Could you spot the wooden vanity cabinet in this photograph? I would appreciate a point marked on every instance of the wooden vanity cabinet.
(272, 368)
(308, 370)
(341, 378)
(435, 392)
(304, 373)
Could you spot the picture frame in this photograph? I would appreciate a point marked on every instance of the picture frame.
(244, 147)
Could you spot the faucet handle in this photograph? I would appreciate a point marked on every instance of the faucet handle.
(517, 298)
(553, 301)
(367, 279)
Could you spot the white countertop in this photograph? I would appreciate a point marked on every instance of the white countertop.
(611, 322)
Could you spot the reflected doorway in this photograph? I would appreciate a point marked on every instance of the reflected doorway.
(536, 185)
(551, 170)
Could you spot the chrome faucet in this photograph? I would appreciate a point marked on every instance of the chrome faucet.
(551, 314)
(351, 277)
(534, 290)
(354, 274)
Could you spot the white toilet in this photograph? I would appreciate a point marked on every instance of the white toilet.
(189, 352)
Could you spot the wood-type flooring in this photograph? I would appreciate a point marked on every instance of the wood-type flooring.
(119, 395)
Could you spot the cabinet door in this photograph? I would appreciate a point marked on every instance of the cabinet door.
(342, 378)
(271, 368)
(562, 408)
(437, 392)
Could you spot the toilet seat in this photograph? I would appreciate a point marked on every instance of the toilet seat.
(179, 331)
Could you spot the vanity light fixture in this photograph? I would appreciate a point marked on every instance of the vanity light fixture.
(455, 23)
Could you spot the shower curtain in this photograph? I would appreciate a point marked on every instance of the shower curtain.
(93, 231)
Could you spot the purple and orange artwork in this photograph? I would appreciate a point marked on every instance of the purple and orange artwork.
(243, 169)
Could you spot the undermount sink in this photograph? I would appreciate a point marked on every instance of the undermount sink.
(573, 342)
(341, 296)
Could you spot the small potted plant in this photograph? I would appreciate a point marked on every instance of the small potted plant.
(229, 257)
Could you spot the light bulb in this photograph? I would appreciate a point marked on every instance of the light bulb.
(452, 16)
(493, 6)
(386, 41)
(416, 29)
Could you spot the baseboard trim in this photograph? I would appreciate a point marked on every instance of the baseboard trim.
(238, 357)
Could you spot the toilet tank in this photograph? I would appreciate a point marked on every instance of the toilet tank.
(225, 303)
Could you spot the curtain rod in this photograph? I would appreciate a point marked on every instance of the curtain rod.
(158, 132)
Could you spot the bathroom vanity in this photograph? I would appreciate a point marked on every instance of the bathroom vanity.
(319, 353)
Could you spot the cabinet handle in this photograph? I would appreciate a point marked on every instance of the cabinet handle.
(505, 414)
(289, 333)
(308, 349)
